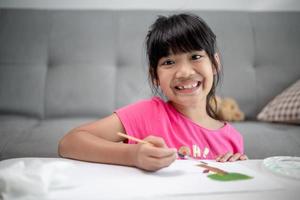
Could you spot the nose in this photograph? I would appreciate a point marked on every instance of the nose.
(184, 69)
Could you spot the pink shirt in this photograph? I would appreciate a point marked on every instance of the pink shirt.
(159, 118)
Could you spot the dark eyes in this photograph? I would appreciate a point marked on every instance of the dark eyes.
(196, 57)
(168, 62)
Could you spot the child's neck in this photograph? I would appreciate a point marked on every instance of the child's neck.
(199, 115)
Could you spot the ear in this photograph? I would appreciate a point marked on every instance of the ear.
(218, 67)
(156, 82)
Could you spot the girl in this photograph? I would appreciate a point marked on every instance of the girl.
(184, 66)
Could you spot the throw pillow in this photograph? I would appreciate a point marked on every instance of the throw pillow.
(285, 107)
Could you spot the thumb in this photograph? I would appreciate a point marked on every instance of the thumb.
(156, 141)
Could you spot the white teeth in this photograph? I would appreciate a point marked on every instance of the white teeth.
(188, 86)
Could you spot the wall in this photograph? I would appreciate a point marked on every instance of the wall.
(247, 5)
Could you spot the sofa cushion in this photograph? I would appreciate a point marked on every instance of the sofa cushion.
(41, 139)
(80, 90)
(24, 36)
(12, 126)
(128, 91)
(82, 36)
(285, 107)
(82, 64)
(23, 61)
(277, 53)
(22, 88)
(263, 139)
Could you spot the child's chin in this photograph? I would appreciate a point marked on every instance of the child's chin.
(189, 100)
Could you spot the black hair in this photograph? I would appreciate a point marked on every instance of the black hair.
(181, 33)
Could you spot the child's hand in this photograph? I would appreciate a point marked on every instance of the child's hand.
(154, 156)
(231, 157)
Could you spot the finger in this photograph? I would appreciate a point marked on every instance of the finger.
(235, 157)
(219, 158)
(159, 152)
(156, 141)
(244, 157)
(226, 157)
(158, 163)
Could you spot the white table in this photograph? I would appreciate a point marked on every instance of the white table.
(100, 181)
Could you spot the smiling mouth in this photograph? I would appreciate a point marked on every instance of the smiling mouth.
(188, 87)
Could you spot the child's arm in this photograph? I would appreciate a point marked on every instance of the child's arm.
(231, 157)
(98, 142)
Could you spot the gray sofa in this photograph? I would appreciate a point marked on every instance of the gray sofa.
(60, 69)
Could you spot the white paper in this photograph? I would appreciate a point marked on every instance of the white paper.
(52, 179)
(181, 178)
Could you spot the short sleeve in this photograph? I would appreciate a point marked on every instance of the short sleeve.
(138, 117)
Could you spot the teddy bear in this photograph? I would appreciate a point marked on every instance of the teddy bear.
(227, 109)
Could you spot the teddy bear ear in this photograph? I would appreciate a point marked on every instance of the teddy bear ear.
(239, 116)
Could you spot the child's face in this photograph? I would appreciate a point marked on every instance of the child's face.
(186, 78)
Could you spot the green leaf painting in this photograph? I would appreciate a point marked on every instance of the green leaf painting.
(229, 177)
